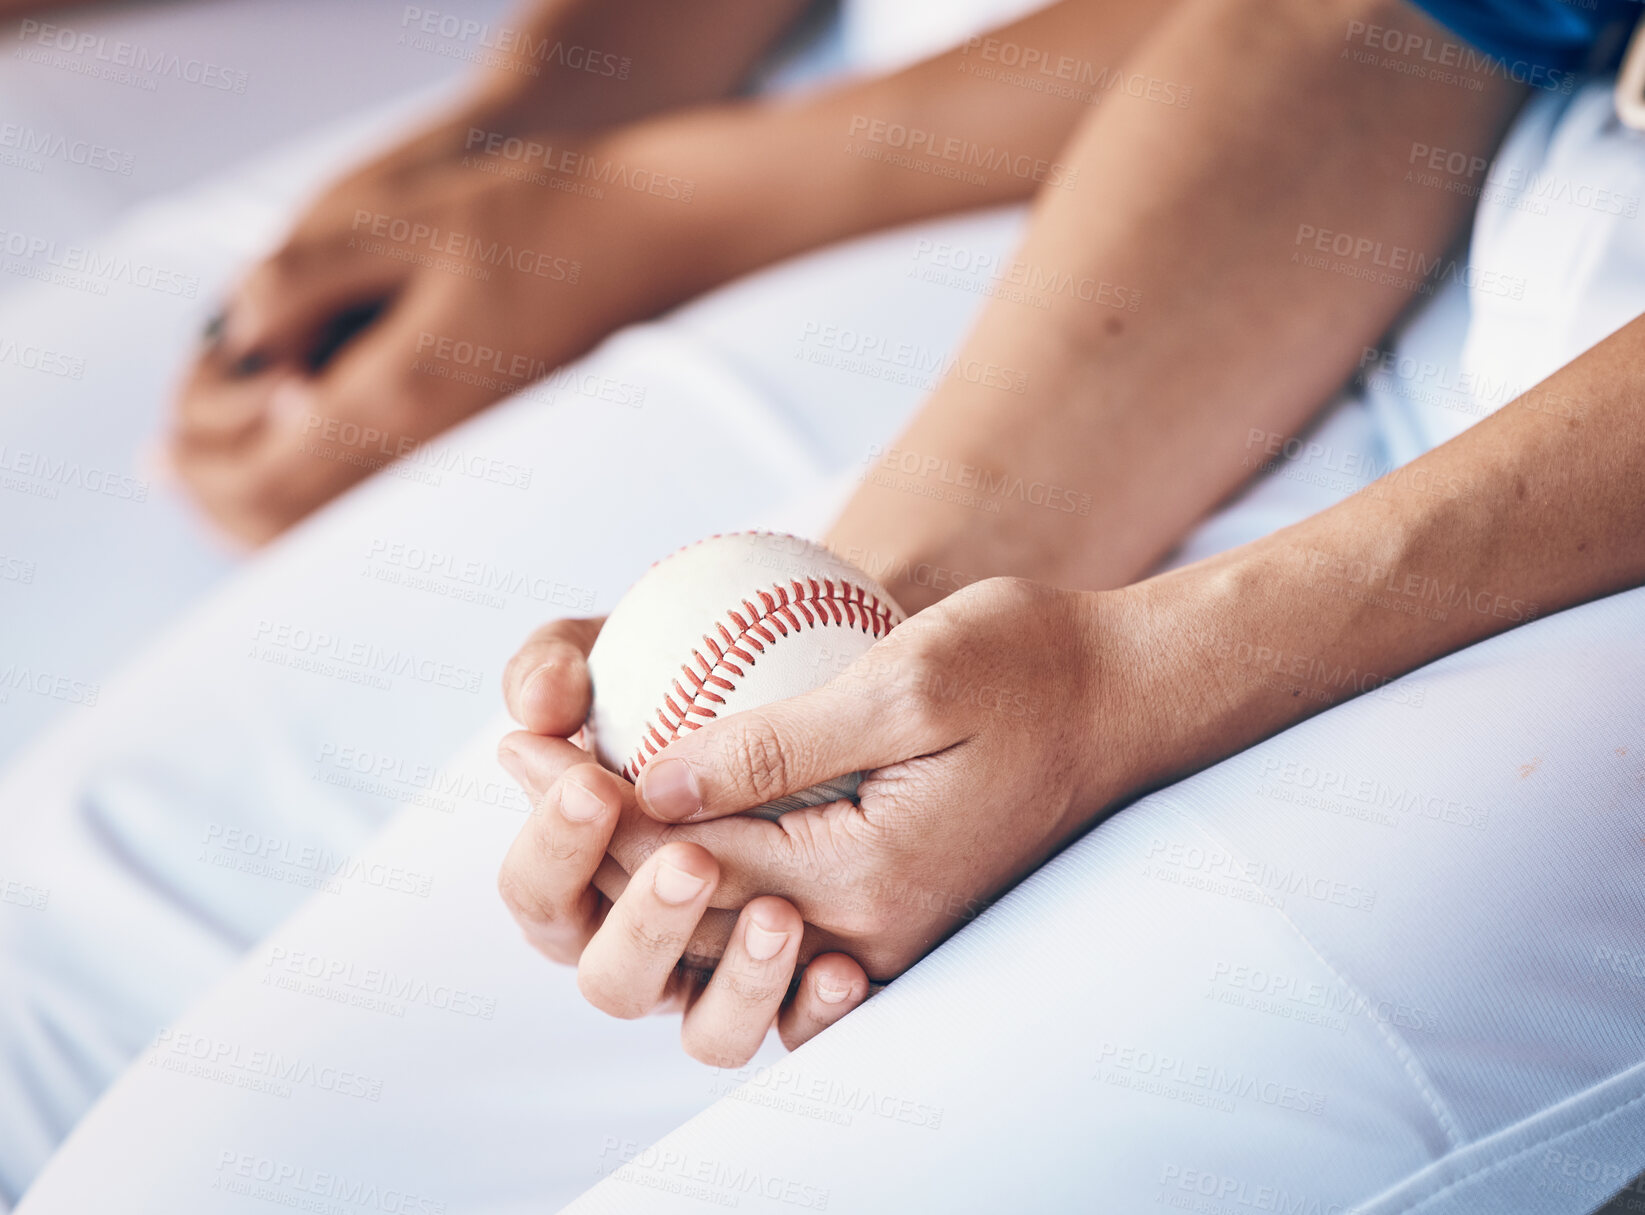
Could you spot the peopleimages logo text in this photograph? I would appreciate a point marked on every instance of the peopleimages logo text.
(131, 56)
(962, 152)
(508, 40)
(111, 267)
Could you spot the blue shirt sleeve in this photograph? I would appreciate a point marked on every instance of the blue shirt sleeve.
(1555, 35)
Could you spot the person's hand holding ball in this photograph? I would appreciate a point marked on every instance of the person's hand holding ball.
(796, 790)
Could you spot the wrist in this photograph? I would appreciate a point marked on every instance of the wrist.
(563, 69)
(580, 65)
(1231, 650)
(1147, 706)
(515, 102)
(676, 178)
(984, 483)
(1198, 667)
(913, 579)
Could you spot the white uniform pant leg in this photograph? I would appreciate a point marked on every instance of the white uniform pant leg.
(1278, 981)
(1482, 1010)
(448, 932)
(408, 1042)
(98, 553)
(1392, 951)
(241, 764)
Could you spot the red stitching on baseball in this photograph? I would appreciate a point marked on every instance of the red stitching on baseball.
(849, 605)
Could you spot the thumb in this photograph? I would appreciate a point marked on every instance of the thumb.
(739, 762)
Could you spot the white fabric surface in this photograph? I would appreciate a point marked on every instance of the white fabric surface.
(1557, 261)
(218, 727)
(87, 370)
(97, 552)
(1458, 1002)
(106, 107)
(889, 34)
(1492, 1016)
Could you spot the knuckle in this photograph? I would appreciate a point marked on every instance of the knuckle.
(556, 847)
(601, 783)
(270, 276)
(279, 273)
(291, 258)
(882, 962)
(610, 996)
(552, 946)
(1007, 587)
(550, 839)
(920, 705)
(712, 1050)
(651, 941)
(915, 684)
(806, 851)
(762, 757)
(1003, 592)
(249, 526)
(862, 913)
(632, 853)
(262, 498)
(924, 639)
(537, 650)
(523, 902)
(859, 920)
(753, 988)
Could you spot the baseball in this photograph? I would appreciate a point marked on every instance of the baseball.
(729, 623)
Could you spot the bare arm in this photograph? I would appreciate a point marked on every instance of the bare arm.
(1200, 217)
(1537, 508)
(600, 61)
(765, 178)
(638, 217)
(577, 64)
(995, 726)
(1000, 723)
(777, 177)
(571, 66)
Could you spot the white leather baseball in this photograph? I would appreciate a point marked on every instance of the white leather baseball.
(729, 623)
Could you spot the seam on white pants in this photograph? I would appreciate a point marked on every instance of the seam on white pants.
(1512, 1156)
(1413, 1069)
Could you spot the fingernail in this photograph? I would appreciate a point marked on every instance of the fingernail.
(828, 993)
(579, 804)
(763, 944)
(669, 789)
(676, 886)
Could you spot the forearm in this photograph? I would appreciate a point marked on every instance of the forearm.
(774, 177)
(1538, 508)
(1203, 321)
(568, 65)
